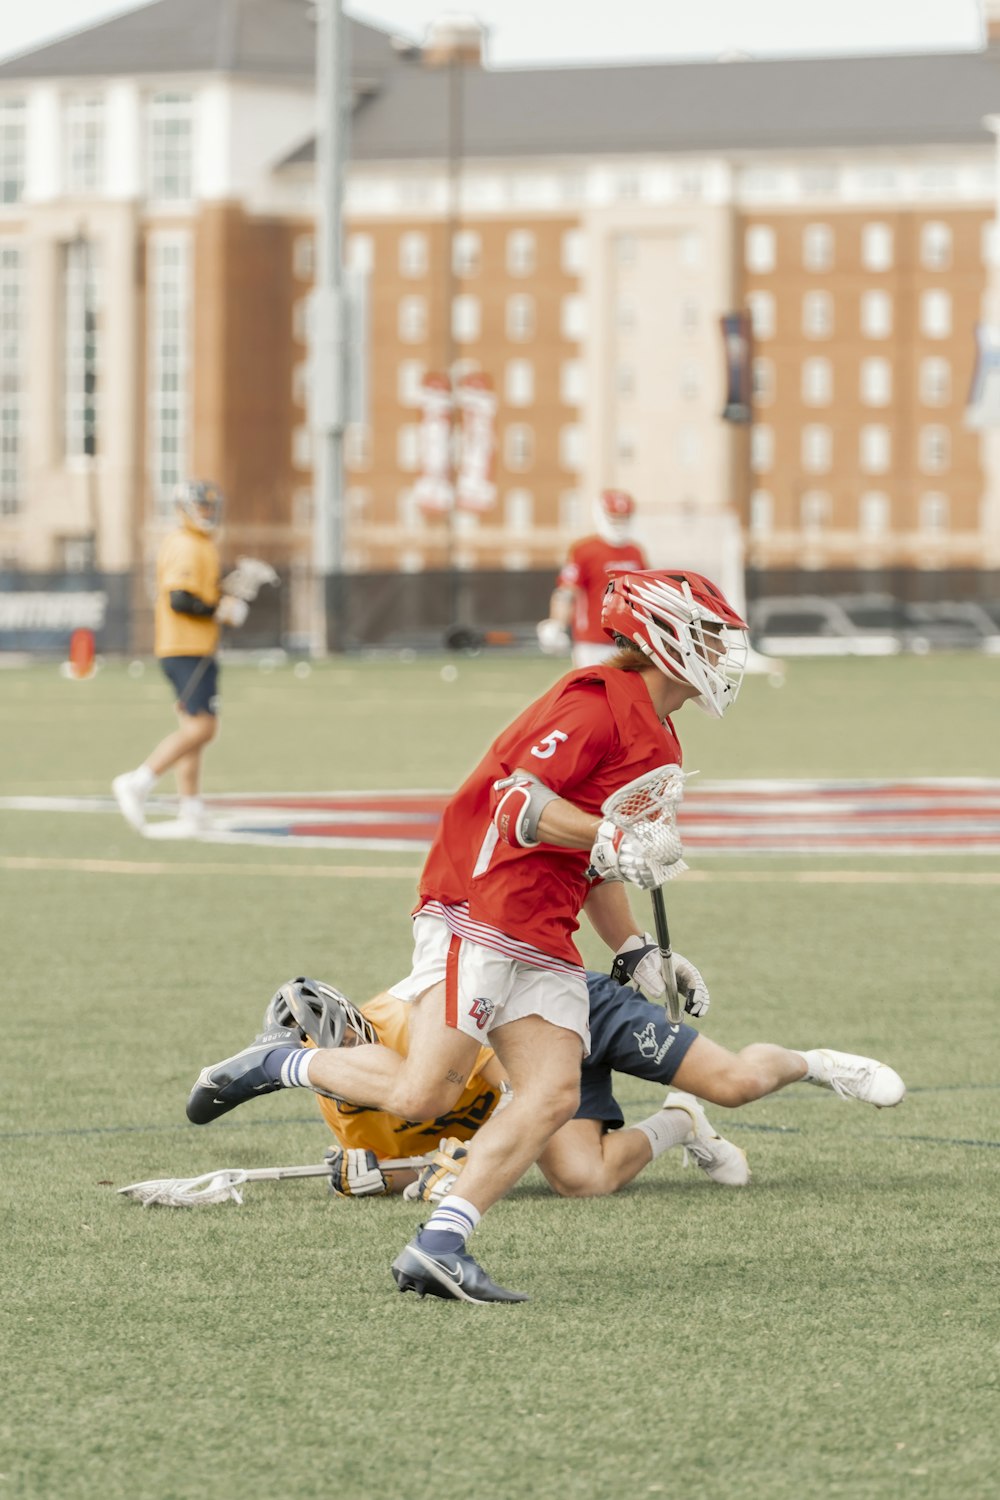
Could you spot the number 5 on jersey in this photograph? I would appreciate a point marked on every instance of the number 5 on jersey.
(549, 745)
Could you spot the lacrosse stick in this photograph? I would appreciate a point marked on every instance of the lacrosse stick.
(646, 808)
(224, 1185)
(248, 578)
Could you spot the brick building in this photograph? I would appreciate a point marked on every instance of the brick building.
(576, 238)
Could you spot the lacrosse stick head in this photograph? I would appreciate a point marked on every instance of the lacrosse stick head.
(320, 1013)
(613, 512)
(646, 808)
(188, 1192)
(687, 628)
(248, 577)
(200, 503)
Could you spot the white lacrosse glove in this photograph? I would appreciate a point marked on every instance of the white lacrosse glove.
(553, 637)
(637, 963)
(354, 1173)
(441, 1172)
(231, 611)
(618, 855)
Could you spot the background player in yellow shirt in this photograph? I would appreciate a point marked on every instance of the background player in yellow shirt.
(190, 607)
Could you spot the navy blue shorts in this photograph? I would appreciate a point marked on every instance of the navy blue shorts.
(628, 1034)
(195, 680)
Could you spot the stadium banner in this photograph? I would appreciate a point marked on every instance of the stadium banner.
(737, 339)
(477, 404)
(982, 408)
(434, 491)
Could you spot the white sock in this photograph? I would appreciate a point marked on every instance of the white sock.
(455, 1216)
(810, 1073)
(668, 1127)
(144, 778)
(295, 1068)
(192, 809)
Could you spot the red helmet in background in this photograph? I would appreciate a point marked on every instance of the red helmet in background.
(686, 626)
(613, 512)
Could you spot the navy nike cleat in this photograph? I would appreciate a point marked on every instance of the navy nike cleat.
(452, 1274)
(223, 1085)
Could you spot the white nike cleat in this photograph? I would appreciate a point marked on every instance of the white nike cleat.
(854, 1077)
(176, 828)
(719, 1159)
(131, 799)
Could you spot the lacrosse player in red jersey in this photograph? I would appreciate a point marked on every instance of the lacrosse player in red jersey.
(522, 848)
(579, 592)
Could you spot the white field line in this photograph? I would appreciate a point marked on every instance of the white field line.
(28, 864)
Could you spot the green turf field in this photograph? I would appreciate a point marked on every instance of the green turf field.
(830, 1331)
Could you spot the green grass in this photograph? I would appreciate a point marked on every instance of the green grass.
(831, 1331)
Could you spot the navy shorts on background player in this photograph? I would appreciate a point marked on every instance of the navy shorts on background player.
(627, 1035)
(195, 680)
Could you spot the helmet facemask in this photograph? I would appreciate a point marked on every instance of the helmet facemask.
(200, 503)
(613, 514)
(320, 1013)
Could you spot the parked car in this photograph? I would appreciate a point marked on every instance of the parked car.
(811, 625)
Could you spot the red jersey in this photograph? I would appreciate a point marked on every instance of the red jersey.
(590, 564)
(592, 732)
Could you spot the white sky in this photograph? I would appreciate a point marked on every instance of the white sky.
(550, 31)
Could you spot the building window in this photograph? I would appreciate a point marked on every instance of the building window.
(12, 150)
(519, 382)
(626, 315)
(817, 382)
(934, 512)
(761, 448)
(625, 380)
(876, 247)
(571, 512)
(876, 315)
(573, 318)
(761, 513)
(572, 382)
(817, 448)
(168, 337)
(761, 305)
(626, 249)
(518, 512)
(520, 252)
(762, 381)
(758, 249)
(80, 350)
(935, 246)
(690, 315)
(688, 447)
(518, 447)
(935, 381)
(935, 449)
(935, 314)
(413, 254)
(876, 382)
(84, 143)
(817, 315)
(520, 318)
(690, 250)
(814, 510)
(989, 245)
(873, 513)
(466, 253)
(304, 256)
(571, 447)
(171, 146)
(625, 445)
(11, 377)
(465, 319)
(875, 448)
(408, 447)
(360, 253)
(574, 252)
(817, 247)
(302, 447)
(690, 381)
(357, 446)
(409, 382)
(412, 320)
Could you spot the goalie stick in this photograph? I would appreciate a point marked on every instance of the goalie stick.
(647, 808)
(223, 1185)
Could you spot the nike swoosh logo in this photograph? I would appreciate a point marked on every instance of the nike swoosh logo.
(455, 1276)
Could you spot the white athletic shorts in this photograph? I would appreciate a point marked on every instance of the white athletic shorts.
(484, 988)
(592, 653)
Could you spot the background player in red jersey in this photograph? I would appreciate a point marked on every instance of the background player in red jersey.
(579, 591)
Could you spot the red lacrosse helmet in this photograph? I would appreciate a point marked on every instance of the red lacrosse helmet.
(613, 512)
(687, 628)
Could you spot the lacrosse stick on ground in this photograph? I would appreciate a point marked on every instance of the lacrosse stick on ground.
(646, 809)
(223, 1186)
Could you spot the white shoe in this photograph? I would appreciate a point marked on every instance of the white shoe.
(131, 798)
(175, 828)
(855, 1077)
(719, 1159)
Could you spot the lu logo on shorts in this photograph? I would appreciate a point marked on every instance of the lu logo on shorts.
(480, 1011)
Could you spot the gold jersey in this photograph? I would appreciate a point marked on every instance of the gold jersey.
(387, 1135)
(189, 560)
